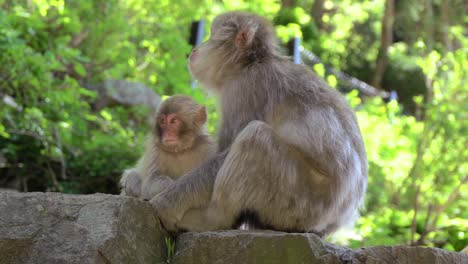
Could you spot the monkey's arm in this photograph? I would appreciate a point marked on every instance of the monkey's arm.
(155, 184)
(134, 184)
(192, 190)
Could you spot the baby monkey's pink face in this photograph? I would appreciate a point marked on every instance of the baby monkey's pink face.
(179, 121)
(170, 126)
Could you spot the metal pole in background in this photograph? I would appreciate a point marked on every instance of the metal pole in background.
(197, 31)
(353, 83)
(294, 51)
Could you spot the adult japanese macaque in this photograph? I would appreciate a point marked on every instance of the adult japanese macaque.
(178, 143)
(291, 156)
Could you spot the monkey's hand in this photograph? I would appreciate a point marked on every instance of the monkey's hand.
(154, 185)
(166, 211)
(130, 183)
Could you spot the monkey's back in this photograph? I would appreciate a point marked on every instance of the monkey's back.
(328, 171)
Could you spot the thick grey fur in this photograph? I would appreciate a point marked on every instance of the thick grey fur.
(290, 149)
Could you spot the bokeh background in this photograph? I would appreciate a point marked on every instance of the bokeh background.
(79, 81)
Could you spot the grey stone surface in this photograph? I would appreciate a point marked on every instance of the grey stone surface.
(59, 228)
(274, 247)
(125, 93)
(406, 254)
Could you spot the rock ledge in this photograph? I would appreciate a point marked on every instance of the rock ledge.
(246, 247)
(59, 228)
(99, 228)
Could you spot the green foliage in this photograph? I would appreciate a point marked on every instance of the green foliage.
(53, 139)
(403, 71)
(420, 165)
(295, 22)
(52, 136)
(170, 249)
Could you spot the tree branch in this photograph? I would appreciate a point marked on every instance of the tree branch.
(385, 41)
(416, 209)
(453, 195)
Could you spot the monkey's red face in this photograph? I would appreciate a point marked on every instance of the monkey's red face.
(237, 39)
(170, 126)
(210, 62)
(202, 65)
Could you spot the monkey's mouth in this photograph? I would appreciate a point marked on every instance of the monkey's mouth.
(170, 142)
(173, 146)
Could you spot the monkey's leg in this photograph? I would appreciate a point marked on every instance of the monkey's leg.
(259, 175)
(191, 191)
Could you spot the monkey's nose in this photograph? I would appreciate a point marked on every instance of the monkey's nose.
(193, 54)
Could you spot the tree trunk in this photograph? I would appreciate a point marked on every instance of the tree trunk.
(445, 25)
(385, 41)
(287, 3)
(429, 24)
(317, 12)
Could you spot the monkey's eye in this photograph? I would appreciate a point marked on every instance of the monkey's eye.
(162, 120)
(173, 120)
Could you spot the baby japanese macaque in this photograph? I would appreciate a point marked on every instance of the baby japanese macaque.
(177, 144)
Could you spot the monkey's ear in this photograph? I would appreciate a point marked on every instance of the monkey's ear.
(245, 37)
(201, 115)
